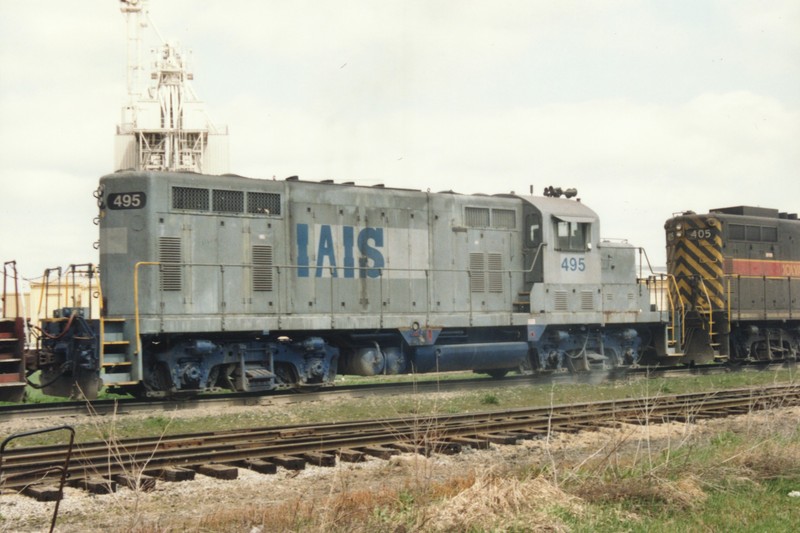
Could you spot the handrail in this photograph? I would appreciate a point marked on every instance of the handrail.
(673, 282)
(642, 251)
(72, 283)
(136, 300)
(535, 258)
(710, 308)
(730, 278)
(44, 293)
(16, 287)
(382, 271)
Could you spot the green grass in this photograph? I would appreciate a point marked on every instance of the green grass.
(524, 395)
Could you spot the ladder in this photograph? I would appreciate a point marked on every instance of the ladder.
(12, 343)
(676, 327)
(705, 312)
(115, 366)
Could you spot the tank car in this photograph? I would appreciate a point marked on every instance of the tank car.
(735, 275)
(226, 282)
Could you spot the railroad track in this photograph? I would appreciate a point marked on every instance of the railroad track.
(98, 466)
(131, 405)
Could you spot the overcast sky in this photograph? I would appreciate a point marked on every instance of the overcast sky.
(647, 108)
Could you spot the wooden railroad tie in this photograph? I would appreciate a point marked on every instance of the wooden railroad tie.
(499, 438)
(218, 471)
(476, 443)
(43, 493)
(289, 462)
(320, 459)
(261, 466)
(95, 485)
(381, 452)
(174, 474)
(351, 456)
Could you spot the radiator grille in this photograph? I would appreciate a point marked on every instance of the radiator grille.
(495, 274)
(477, 274)
(587, 301)
(560, 301)
(504, 218)
(169, 251)
(264, 203)
(476, 217)
(262, 268)
(190, 198)
(228, 201)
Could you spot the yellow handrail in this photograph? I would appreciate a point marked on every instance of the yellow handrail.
(672, 282)
(136, 299)
(710, 309)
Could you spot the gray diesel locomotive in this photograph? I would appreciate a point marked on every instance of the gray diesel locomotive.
(225, 282)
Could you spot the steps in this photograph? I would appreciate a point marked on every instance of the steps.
(115, 366)
(523, 302)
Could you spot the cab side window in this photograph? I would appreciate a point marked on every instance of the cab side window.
(571, 236)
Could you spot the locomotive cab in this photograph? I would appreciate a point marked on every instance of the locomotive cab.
(563, 272)
(587, 308)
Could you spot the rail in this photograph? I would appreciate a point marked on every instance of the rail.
(382, 437)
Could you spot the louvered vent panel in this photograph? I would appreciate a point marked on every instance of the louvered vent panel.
(169, 251)
(504, 218)
(190, 198)
(262, 268)
(477, 267)
(587, 301)
(476, 217)
(495, 274)
(560, 300)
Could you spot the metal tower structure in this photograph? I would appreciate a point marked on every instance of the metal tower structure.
(164, 125)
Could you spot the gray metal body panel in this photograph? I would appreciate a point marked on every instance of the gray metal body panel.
(346, 257)
(413, 263)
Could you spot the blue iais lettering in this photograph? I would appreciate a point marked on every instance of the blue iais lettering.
(349, 261)
(368, 242)
(326, 251)
(302, 250)
(369, 252)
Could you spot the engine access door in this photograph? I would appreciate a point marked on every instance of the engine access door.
(532, 245)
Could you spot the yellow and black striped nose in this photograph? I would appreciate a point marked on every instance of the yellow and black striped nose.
(694, 255)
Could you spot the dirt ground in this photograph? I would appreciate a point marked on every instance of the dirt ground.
(179, 505)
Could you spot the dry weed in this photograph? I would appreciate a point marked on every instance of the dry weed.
(771, 460)
(686, 493)
(499, 502)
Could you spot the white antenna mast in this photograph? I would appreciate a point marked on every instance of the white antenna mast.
(165, 127)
